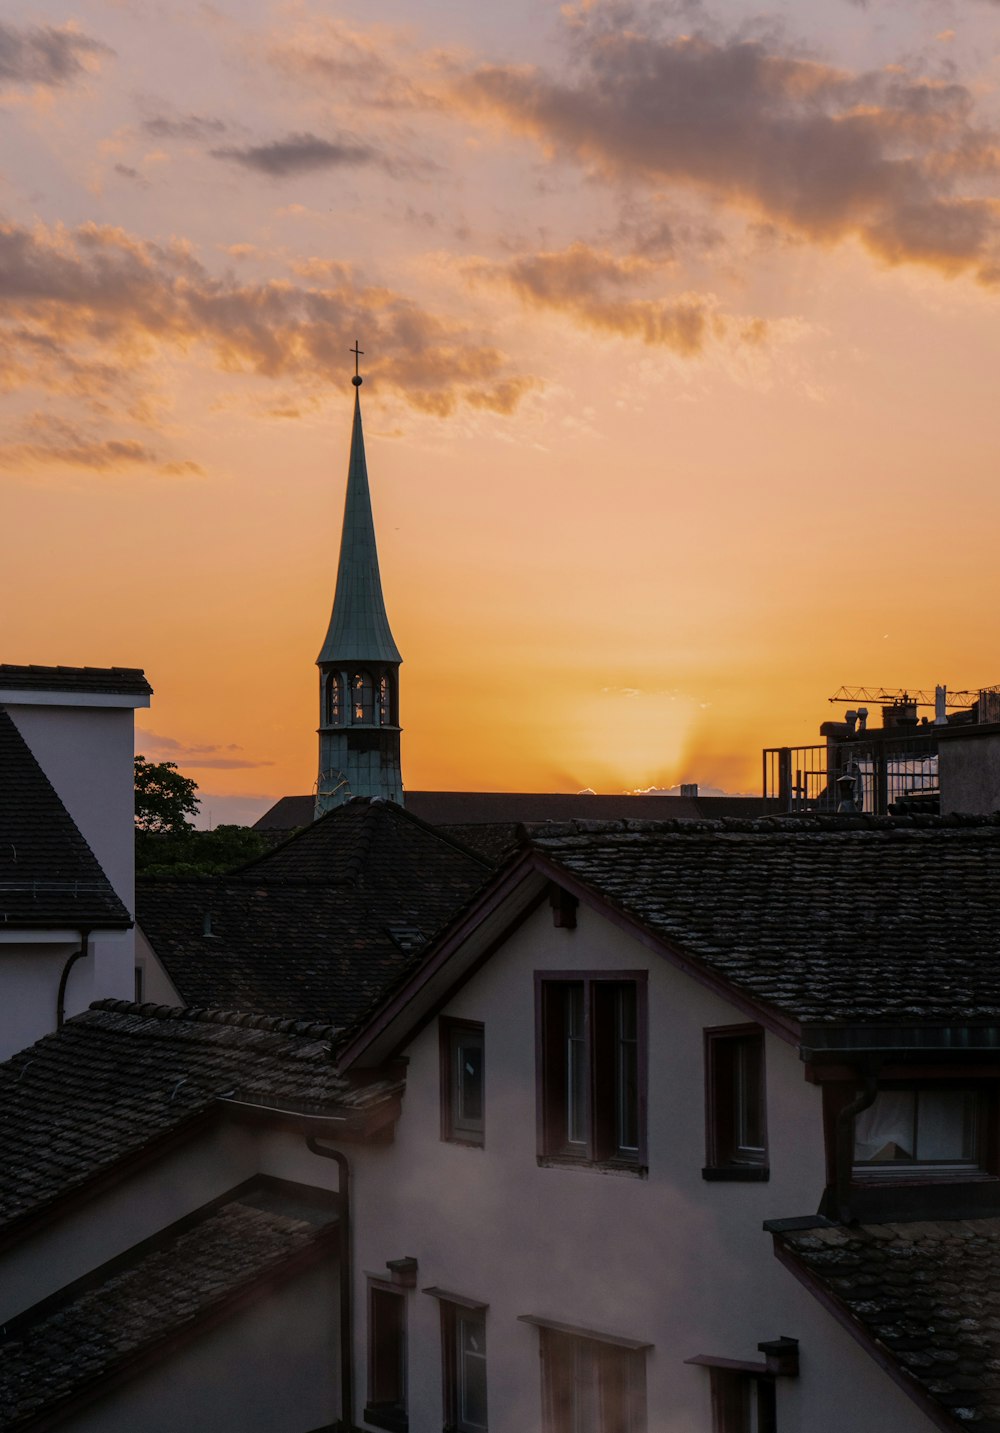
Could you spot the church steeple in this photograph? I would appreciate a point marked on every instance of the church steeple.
(359, 661)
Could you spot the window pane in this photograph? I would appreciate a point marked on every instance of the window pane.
(918, 1127)
(470, 1080)
(946, 1125)
(472, 1371)
(627, 1081)
(749, 1114)
(388, 1367)
(576, 1065)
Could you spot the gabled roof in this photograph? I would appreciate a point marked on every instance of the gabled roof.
(317, 927)
(827, 922)
(359, 628)
(122, 1077)
(922, 1298)
(822, 919)
(107, 1326)
(49, 876)
(116, 681)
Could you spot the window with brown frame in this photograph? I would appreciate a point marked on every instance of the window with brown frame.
(934, 1131)
(462, 1045)
(735, 1103)
(742, 1402)
(589, 1386)
(463, 1349)
(591, 1063)
(386, 1406)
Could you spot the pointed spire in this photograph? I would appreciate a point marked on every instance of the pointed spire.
(359, 628)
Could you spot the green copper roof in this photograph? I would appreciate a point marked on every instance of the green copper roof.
(359, 629)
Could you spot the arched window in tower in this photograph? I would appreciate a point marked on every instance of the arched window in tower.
(386, 701)
(334, 699)
(362, 697)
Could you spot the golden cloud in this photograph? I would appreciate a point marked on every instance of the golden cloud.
(90, 306)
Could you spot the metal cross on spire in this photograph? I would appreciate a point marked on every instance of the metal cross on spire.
(358, 354)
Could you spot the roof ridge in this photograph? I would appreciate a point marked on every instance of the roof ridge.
(243, 1019)
(809, 823)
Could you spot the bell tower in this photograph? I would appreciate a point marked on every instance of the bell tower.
(359, 663)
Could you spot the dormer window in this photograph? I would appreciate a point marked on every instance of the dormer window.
(362, 698)
(932, 1130)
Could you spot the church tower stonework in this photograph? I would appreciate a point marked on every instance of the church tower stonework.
(359, 662)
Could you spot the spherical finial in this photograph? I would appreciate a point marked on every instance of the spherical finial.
(357, 380)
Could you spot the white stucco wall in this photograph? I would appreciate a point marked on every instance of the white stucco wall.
(87, 753)
(670, 1259)
(97, 1229)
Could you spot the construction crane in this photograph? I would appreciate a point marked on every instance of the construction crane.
(898, 696)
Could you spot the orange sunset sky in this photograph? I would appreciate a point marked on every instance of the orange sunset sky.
(681, 334)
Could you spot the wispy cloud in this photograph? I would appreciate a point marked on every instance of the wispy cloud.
(592, 287)
(210, 757)
(189, 126)
(46, 54)
(46, 441)
(100, 296)
(300, 154)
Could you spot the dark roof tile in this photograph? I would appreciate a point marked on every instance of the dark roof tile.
(95, 1328)
(121, 1076)
(311, 929)
(116, 681)
(919, 1296)
(854, 919)
(49, 876)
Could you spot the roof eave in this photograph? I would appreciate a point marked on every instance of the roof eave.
(937, 1415)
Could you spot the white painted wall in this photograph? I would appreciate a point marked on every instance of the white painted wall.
(87, 754)
(669, 1259)
(86, 751)
(157, 986)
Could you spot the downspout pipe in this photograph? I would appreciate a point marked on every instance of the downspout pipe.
(63, 979)
(346, 1281)
(845, 1143)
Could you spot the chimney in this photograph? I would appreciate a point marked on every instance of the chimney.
(689, 789)
(940, 705)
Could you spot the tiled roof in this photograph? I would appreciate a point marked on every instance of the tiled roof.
(120, 1076)
(287, 814)
(118, 681)
(311, 929)
(455, 809)
(923, 1297)
(49, 876)
(823, 918)
(54, 1355)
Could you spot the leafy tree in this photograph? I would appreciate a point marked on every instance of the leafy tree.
(164, 799)
(187, 852)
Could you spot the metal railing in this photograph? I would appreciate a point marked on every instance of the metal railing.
(865, 774)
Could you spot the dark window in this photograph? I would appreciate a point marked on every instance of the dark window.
(934, 1129)
(742, 1402)
(463, 1340)
(462, 1087)
(591, 1387)
(592, 1068)
(140, 983)
(334, 699)
(362, 698)
(736, 1122)
(386, 702)
(386, 1406)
